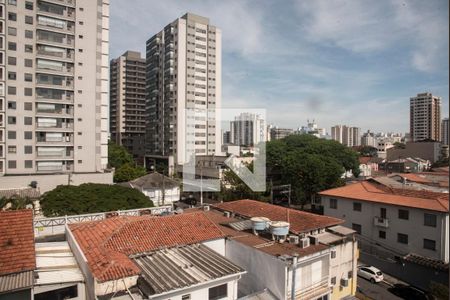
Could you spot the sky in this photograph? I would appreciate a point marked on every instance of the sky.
(351, 62)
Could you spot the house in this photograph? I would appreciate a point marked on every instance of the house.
(170, 257)
(162, 190)
(17, 259)
(315, 253)
(405, 165)
(430, 151)
(369, 165)
(403, 221)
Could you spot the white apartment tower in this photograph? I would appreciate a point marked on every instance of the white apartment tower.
(183, 72)
(425, 117)
(247, 130)
(53, 86)
(348, 136)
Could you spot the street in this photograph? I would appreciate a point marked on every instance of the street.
(375, 290)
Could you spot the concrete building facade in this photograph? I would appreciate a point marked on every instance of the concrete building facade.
(247, 130)
(183, 71)
(127, 102)
(425, 117)
(277, 133)
(346, 135)
(445, 132)
(53, 86)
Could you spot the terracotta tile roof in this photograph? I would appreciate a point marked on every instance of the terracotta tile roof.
(108, 243)
(415, 178)
(364, 160)
(16, 241)
(300, 221)
(367, 191)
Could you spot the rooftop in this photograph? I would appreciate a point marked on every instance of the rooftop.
(107, 244)
(372, 192)
(22, 193)
(152, 181)
(300, 221)
(16, 242)
(180, 267)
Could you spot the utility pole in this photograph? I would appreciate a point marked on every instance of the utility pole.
(201, 184)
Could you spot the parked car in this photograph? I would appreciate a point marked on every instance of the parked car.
(408, 292)
(370, 273)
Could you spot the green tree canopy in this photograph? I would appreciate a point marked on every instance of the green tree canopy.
(15, 203)
(91, 198)
(309, 164)
(118, 155)
(128, 172)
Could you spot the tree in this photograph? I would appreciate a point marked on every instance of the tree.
(367, 151)
(122, 161)
(91, 198)
(399, 145)
(15, 203)
(309, 164)
(118, 155)
(439, 290)
(127, 172)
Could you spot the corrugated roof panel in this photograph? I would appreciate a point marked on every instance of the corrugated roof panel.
(176, 268)
(59, 276)
(16, 281)
(241, 225)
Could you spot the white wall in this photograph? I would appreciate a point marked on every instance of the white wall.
(170, 196)
(263, 270)
(216, 245)
(414, 227)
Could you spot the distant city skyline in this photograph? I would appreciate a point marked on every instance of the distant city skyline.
(335, 61)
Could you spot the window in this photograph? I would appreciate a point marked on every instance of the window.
(12, 149)
(12, 16)
(63, 293)
(11, 135)
(80, 161)
(28, 63)
(29, 48)
(28, 164)
(12, 75)
(28, 106)
(12, 90)
(382, 234)
(12, 46)
(28, 19)
(12, 120)
(402, 238)
(12, 164)
(429, 220)
(429, 244)
(11, 104)
(350, 274)
(28, 34)
(28, 149)
(333, 280)
(28, 120)
(383, 212)
(28, 77)
(12, 31)
(357, 206)
(28, 5)
(403, 214)
(186, 297)
(28, 91)
(333, 203)
(357, 228)
(218, 292)
(12, 60)
(333, 253)
(28, 135)
(12, 2)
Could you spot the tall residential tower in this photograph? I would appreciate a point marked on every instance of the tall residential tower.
(425, 117)
(127, 102)
(53, 86)
(183, 72)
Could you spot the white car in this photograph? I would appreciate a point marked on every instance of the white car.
(370, 273)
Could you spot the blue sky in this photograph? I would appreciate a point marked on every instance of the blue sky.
(340, 62)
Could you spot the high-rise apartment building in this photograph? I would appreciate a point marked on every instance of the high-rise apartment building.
(348, 136)
(247, 130)
(53, 86)
(368, 139)
(183, 72)
(127, 102)
(277, 133)
(445, 132)
(425, 117)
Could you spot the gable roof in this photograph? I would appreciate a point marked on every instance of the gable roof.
(16, 241)
(153, 181)
(107, 244)
(368, 191)
(300, 221)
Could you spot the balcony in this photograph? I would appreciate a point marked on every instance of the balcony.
(53, 52)
(56, 11)
(381, 222)
(61, 2)
(54, 39)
